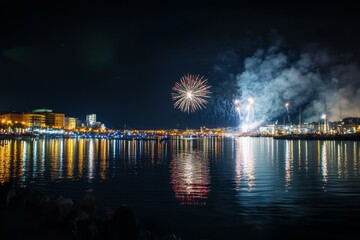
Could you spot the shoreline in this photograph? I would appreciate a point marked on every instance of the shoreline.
(352, 137)
(163, 138)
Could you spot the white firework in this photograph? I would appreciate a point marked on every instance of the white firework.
(191, 93)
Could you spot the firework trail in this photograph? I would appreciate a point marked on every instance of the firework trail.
(190, 93)
(287, 110)
(237, 107)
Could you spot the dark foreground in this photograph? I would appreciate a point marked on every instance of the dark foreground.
(27, 214)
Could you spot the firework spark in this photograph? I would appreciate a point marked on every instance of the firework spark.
(190, 93)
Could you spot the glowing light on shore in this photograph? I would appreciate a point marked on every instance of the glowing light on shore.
(245, 110)
(248, 125)
(287, 111)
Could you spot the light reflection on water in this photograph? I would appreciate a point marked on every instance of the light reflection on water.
(190, 177)
(259, 178)
(190, 160)
(288, 163)
(244, 164)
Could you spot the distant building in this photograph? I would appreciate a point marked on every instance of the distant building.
(79, 123)
(10, 121)
(270, 129)
(12, 117)
(42, 110)
(90, 119)
(351, 125)
(33, 120)
(70, 123)
(96, 125)
(52, 120)
(352, 121)
(23, 120)
(55, 120)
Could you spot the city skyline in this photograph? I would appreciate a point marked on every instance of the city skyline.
(121, 61)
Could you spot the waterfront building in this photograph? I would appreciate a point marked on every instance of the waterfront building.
(53, 120)
(268, 130)
(70, 123)
(33, 120)
(12, 117)
(351, 125)
(11, 121)
(92, 123)
(90, 119)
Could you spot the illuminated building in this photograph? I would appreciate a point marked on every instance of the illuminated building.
(23, 120)
(52, 120)
(70, 123)
(42, 110)
(55, 120)
(11, 122)
(90, 119)
(34, 120)
(11, 117)
(351, 124)
(91, 122)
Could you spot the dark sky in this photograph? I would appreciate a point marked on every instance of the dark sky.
(120, 61)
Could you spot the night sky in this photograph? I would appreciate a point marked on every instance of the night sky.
(121, 61)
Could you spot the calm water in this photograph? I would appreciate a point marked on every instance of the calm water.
(217, 188)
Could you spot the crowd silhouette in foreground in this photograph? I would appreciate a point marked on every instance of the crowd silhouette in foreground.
(29, 214)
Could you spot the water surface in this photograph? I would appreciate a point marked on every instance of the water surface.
(211, 188)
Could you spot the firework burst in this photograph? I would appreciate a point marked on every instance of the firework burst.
(190, 93)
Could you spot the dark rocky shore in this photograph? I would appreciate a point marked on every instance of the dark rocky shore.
(28, 214)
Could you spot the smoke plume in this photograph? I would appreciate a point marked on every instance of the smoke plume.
(315, 80)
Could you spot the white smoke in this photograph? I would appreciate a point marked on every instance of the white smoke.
(311, 80)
